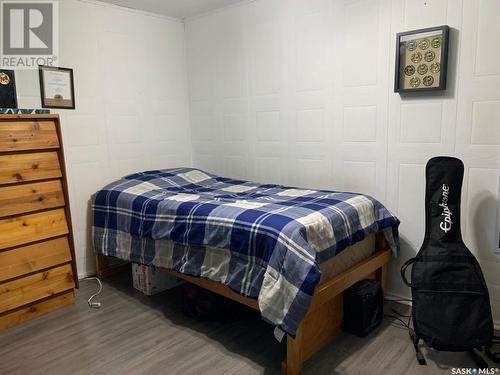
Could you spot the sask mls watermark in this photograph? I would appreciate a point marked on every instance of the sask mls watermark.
(474, 371)
(30, 33)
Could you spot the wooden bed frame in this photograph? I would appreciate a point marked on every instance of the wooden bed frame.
(323, 321)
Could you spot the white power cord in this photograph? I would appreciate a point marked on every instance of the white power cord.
(94, 305)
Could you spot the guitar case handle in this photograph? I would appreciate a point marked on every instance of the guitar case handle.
(403, 271)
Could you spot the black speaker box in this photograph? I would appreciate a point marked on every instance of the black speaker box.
(363, 307)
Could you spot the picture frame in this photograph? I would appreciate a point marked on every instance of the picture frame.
(8, 92)
(422, 60)
(57, 87)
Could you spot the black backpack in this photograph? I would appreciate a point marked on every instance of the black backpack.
(450, 302)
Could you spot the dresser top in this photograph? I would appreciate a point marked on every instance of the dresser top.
(29, 117)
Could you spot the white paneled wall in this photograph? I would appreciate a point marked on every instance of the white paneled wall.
(287, 91)
(301, 92)
(131, 99)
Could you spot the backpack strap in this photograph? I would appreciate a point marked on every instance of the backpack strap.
(403, 270)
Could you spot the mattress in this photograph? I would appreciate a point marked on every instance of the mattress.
(347, 258)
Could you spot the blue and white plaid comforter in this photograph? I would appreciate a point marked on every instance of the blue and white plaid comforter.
(263, 241)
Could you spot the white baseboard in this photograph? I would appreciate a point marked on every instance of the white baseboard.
(83, 275)
(390, 295)
(496, 323)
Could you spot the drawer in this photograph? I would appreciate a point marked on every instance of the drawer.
(32, 258)
(20, 292)
(28, 135)
(29, 167)
(24, 229)
(24, 198)
(35, 310)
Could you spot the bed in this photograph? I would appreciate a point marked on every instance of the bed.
(287, 252)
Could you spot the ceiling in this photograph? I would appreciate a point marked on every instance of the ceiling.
(174, 8)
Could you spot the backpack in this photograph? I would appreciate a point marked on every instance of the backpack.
(450, 302)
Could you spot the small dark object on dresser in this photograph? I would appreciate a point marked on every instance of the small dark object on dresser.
(363, 307)
(8, 95)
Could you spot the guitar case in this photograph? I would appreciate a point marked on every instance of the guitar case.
(450, 302)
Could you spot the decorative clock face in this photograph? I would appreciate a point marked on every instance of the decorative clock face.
(410, 70)
(429, 56)
(428, 81)
(423, 44)
(435, 68)
(436, 42)
(422, 69)
(415, 82)
(411, 45)
(4, 79)
(416, 57)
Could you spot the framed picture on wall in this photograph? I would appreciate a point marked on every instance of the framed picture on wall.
(422, 59)
(57, 87)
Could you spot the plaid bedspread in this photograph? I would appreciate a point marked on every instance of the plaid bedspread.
(263, 241)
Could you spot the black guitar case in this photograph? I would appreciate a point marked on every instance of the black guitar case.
(451, 306)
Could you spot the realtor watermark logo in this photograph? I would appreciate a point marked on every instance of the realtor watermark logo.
(30, 33)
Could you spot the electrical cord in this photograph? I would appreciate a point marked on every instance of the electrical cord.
(398, 300)
(398, 316)
(403, 325)
(94, 305)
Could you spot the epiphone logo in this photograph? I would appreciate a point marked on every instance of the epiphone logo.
(446, 222)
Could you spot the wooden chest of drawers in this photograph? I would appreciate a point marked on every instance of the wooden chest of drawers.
(37, 261)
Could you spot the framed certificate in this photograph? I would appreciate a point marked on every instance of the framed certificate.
(57, 87)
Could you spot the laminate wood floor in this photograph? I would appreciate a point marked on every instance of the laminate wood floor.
(135, 334)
